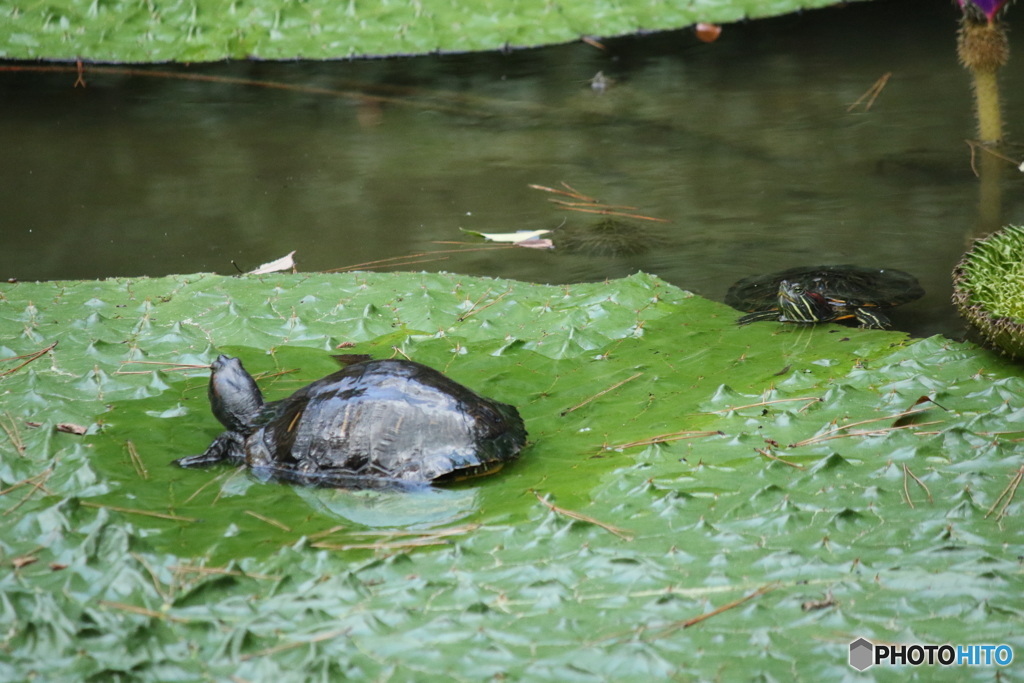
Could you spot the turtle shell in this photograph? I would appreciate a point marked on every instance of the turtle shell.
(845, 287)
(373, 422)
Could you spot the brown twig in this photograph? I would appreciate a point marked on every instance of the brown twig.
(601, 393)
(133, 511)
(665, 438)
(624, 534)
(140, 468)
(268, 520)
(1010, 489)
(30, 357)
(767, 453)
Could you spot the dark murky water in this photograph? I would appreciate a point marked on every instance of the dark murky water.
(745, 146)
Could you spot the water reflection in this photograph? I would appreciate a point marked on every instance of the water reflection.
(419, 507)
(744, 145)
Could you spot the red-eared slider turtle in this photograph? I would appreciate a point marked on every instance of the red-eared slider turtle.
(823, 294)
(375, 420)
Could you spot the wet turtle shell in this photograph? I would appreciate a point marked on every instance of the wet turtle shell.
(375, 420)
(823, 294)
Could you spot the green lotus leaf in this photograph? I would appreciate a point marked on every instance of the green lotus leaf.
(846, 483)
(210, 30)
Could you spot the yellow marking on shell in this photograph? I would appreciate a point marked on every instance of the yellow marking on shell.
(478, 471)
(344, 422)
(294, 421)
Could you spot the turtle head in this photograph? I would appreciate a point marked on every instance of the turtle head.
(799, 304)
(234, 397)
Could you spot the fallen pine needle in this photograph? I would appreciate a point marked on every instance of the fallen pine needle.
(474, 310)
(30, 357)
(439, 533)
(873, 92)
(140, 468)
(36, 486)
(13, 434)
(601, 393)
(23, 482)
(133, 511)
(208, 483)
(326, 532)
(833, 433)
(766, 453)
(1010, 489)
(906, 471)
(672, 628)
(605, 212)
(383, 545)
(289, 646)
(594, 206)
(187, 569)
(574, 194)
(809, 399)
(621, 533)
(141, 610)
(268, 520)
(665, 438)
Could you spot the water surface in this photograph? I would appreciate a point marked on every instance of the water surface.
(745, 146)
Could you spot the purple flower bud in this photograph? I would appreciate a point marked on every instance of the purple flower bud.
(987, 7)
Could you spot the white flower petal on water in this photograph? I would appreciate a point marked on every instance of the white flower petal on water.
(509, 237)
(283, 263)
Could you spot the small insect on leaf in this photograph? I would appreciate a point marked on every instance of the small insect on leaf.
(707, 33)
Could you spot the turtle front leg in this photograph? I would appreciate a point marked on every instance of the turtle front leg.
(228, 447)
(872, 319)
(758, 316)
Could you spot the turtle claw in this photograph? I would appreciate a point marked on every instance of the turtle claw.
(225, 448)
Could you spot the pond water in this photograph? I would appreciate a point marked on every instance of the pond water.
(744, 147)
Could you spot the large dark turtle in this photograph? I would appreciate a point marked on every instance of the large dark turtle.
(375, 420)
(823, 294)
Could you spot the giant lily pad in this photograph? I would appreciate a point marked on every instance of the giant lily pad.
(209, 30)
(838, 478)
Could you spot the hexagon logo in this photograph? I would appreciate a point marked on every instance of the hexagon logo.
(861, 652)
